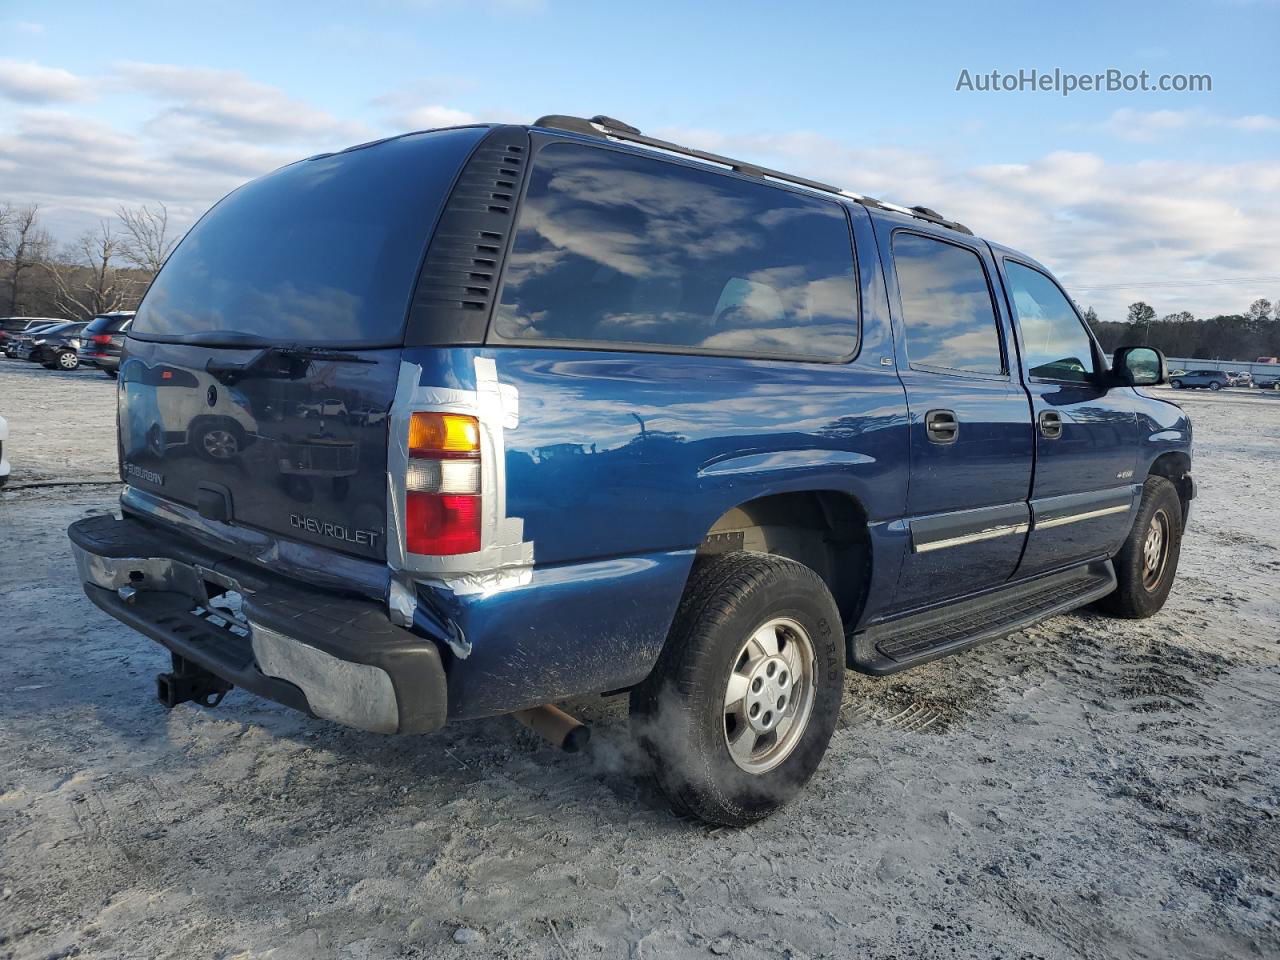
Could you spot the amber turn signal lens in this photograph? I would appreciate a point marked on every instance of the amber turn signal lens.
(431, 434)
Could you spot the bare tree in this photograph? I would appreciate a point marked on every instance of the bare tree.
(23, 243)
(87, 277)
(146, 242)
(1260, 309)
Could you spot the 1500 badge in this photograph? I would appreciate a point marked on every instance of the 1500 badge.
(365, 538)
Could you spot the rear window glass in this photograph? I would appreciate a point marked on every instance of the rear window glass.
(324, 251)
(107, 324)
(629, 250)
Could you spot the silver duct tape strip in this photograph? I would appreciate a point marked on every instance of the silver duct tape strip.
(357, 694)
(505, 559)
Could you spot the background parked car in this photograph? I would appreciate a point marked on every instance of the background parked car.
(1241, 379)
(13, 341)
(1206, 379)
(12, 326)
(104, 341)
(1269, 381)
(18, 346)
(56, 347)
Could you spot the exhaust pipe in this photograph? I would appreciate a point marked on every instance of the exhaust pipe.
(556, 727)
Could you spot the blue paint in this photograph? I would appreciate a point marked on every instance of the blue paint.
(623, 460)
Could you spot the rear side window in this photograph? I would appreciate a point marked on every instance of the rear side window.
(1053, 337)
(323, 251)
(614, 248)
(947, 311)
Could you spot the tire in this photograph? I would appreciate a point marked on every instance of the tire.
(1176, 384)
(66, 360)
(1214, 385)
(113, 374)
(719, 645)
(1141, 589)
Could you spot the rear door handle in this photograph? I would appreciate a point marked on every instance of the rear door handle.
(941, 426)
(1050, 425)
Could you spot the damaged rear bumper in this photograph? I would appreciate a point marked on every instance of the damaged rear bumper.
(332, 656)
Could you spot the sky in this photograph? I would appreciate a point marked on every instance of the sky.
(1171, 197)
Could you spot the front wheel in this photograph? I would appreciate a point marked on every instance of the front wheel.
(68, 360)
(1148, 561)
(1215, 385)
(1176, 384)
(743, 701)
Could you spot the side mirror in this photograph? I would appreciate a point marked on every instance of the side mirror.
(1139, 367)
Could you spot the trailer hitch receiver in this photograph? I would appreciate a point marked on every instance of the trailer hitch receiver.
(190, 681)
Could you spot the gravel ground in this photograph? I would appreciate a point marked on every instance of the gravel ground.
(1086, 788)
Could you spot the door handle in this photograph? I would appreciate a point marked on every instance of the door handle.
(941, 426)
(1050, 425)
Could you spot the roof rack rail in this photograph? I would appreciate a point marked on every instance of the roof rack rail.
(602, 126)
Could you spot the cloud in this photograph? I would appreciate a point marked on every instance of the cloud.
(228, 102)
(208, 132)
(428, 118)
(30, 83)
(1255, 122)
(1145, 126)
(1090, 220)
(80, 169)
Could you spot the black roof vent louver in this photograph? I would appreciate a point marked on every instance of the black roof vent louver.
(454, 295)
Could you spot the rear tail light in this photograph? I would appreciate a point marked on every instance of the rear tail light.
(102, 338)
(442, 488)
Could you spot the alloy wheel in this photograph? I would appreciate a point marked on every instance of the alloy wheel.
(769, 695)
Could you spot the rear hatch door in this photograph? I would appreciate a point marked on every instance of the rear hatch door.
(262, 364)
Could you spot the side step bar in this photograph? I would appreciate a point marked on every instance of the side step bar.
(916, 638)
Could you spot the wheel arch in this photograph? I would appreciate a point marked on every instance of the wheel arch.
(826, 530)
(1175, 466)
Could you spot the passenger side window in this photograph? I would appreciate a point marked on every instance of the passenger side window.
(947, 311)
(618, 249)
(1054, 339)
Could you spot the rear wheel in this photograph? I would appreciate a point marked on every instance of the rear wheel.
(68, 360)
(1148, 561)
(1176, 384)
(743, 701)
(112, 373)
(1214, 385)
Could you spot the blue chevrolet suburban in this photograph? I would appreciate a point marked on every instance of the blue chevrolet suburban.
(469, 421)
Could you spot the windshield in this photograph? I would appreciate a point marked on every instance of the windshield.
(324, 251)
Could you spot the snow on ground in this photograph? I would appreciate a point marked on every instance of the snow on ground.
(1088, 788)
